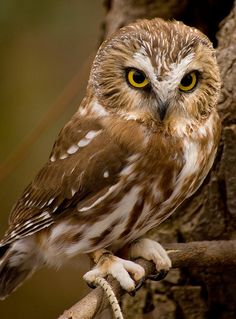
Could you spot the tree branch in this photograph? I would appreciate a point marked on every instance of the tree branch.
(195, 254)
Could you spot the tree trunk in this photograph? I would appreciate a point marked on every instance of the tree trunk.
(195, 293)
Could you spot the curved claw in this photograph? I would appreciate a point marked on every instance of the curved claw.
(140, 283)
(159, 275)
(91, 285)
(137, 287)
(132, 293)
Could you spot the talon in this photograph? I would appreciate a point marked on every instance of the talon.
(140, 283)
(132, 293)
(159, 275)
(90, 285)
(137, 287)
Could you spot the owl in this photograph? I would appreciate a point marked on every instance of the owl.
(142, 141)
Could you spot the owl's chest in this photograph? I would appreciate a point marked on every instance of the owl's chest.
(176, 174)
(163, 190)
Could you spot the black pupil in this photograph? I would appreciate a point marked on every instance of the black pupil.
(187, 80)
(138, 77)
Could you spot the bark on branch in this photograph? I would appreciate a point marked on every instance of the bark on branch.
(194, 254)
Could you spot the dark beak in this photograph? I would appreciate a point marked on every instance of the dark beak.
(162, 108)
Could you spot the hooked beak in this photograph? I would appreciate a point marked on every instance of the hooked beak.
(162, 109)
(162, 105)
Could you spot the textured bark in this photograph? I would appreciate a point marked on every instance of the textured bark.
(203, 14)
(210, 214)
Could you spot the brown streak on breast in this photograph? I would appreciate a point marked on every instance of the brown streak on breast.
(133, 217)
(97, 240)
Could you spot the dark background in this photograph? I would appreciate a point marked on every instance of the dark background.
(43, 44)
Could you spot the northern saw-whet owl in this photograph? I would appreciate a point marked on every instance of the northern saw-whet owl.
(142, 141)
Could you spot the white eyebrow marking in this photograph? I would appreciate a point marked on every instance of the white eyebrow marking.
(178, 70)
(144, 63)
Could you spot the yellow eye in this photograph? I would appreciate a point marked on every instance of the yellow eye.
(137, 78)
(188, 82)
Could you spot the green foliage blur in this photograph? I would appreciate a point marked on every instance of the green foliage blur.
(43, 44)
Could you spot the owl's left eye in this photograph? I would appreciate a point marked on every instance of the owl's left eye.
(137, 78)
(189, 82)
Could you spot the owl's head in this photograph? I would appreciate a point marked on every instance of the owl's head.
(156, 70)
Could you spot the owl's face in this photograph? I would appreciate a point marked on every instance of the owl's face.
(156, 70)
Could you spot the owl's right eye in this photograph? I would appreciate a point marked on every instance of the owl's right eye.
(137, 78)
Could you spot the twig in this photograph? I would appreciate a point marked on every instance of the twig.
(195, 254)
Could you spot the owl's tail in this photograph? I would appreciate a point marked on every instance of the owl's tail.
(18, 262)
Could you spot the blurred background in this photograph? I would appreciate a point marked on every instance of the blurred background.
(45, 51)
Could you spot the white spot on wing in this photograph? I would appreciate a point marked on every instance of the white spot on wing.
(73, 149)
(88, 138)
(106, 174)
(63, 156)
(84, 142)
(53, 158)
(91, 134)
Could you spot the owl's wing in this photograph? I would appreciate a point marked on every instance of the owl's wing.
(84, 161)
